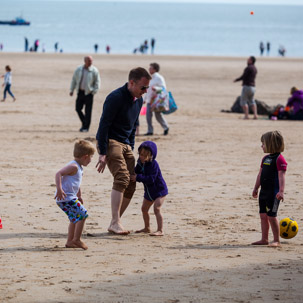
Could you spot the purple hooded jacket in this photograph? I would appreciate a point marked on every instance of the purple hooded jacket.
(296, 101)
(149, 174)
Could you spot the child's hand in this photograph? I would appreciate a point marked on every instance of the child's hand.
(255, 193)
(133, 178)
(280, 196)
(80, 199)
(60, 195)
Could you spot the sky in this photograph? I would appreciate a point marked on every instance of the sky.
(275, 2)
(272, 2)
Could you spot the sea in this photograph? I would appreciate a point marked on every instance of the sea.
(178, 28)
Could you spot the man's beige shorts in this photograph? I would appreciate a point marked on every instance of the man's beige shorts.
(121, 164)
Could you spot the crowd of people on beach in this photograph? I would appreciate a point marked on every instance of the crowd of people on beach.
(115, 144)
(143, 48)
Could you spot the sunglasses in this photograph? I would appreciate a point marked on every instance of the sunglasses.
(144, 87)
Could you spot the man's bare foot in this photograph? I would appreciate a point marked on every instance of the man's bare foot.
(261, 242)
(158, 233)
(274, 244)
(70, 245)
(14, 99)
(3, 100)
(246, 118)
(80, 244)
(117, 230)
(143, 230)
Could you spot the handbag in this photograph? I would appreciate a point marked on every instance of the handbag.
(172, 106)
(160, 99)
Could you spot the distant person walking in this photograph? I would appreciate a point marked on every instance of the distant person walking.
(56, 46)
(157, 80)
(268, 48)
(7, 83)
(86, 81)
(96, 46)
(36, 45)
(152, 45)
(261, 46)
(25, 44)
(282, 50)
(248, 87)
(107, 49)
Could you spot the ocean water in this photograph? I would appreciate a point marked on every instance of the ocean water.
(179, 28)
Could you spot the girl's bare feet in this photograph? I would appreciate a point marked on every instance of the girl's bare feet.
(143, 230)
(274, 244)
(70, 245)
(261, 242)
(158, 233)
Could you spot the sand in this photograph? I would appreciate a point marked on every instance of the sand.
(209, 159)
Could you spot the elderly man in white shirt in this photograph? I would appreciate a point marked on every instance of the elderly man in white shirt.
(86, 81)
(157, 80)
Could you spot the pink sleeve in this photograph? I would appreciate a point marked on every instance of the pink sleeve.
(281, 163)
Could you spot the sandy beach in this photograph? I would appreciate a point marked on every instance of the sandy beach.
(209, 160)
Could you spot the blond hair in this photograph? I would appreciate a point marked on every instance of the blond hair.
(273, 141)
(82, 148)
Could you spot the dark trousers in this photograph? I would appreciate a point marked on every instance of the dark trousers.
(87, 101)
(7, 89)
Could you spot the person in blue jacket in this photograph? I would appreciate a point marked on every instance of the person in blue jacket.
(148, 172)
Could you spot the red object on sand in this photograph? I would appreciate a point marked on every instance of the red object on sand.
(0, 224)
(143, 111)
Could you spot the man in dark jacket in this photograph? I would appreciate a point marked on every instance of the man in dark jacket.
(116, 140)
(248, 87)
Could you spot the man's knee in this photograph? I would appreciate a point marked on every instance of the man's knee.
(130, 190)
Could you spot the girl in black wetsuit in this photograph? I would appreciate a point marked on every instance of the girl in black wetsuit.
(271, 178)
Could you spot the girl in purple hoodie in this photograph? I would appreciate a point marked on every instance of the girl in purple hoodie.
(148, 172)
(295, 102)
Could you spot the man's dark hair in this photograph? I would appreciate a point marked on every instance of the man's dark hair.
(155, 66)
(137, 73)
(253, 59)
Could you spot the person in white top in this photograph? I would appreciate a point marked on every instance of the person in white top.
(68, 194)
(7, 83)
(157, 80)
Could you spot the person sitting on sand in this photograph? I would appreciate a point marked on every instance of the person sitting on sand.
(295, 103)
(68, 194)
(271, 178)
(148, 172)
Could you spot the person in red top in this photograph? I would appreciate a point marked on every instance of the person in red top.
(271, 178)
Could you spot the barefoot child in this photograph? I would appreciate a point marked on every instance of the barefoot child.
(271, 178)
(148, 172)
(68, 195)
